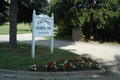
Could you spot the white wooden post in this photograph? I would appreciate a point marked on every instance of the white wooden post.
(41, 24)
(52, 34)
(33, 36)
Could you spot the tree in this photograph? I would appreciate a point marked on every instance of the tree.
(25, 10)
(3, 9)
(94, 16)
(64, 11)
(13, 17)
(107, 22)
(13, 24)
(68, 14)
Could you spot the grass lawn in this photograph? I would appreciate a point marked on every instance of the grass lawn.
(21, 29)
(20, 58)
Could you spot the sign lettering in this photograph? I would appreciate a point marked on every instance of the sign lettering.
(43, 21)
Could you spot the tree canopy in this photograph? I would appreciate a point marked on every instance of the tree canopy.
(3, 11)
(26, 7)
(98, 18)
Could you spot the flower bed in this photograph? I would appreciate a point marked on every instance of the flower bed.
(81, 63)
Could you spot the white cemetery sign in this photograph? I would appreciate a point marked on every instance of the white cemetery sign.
(42, 26)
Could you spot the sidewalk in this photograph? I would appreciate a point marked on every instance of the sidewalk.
(74, 75)
(108, 55)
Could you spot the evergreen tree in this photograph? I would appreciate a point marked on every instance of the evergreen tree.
(98, 18)
(26, 7)
(3, 11)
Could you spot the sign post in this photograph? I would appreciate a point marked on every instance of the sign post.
(42, 26)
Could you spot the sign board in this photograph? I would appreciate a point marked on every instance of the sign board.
(42, 26)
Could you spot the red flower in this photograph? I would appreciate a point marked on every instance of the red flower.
(50, 62)
(76, 59)
(39, 67)
(96, 62)
(90, 59)
(60, 60)
(68, 59)
(83, 57)
(36, 64)
(83, 64)
(51, 65)
(65, 65)
(96, 65)
(70, 66)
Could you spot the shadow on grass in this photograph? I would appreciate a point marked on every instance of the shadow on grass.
(23, 30)
(20, 58)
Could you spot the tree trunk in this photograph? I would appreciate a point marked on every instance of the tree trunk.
(13, 24)
(30, 27)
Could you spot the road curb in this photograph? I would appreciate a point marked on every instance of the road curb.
(52, 75)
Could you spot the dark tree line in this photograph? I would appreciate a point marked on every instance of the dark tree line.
(3, 11)
(97, 18)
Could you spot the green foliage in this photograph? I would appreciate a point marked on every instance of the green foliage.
(63, 10)
(98, 18)
(3, 11)
(26, 7)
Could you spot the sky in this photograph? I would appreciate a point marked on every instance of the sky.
(48, 0)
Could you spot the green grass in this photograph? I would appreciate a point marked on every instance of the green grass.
(20, 58)
(21, 29)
